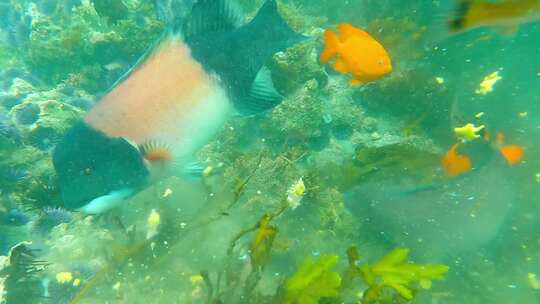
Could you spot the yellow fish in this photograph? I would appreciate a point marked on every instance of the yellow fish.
(508, 14)
(357, 53)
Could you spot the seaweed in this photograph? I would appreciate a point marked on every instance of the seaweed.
(394, 271)
(313, 281)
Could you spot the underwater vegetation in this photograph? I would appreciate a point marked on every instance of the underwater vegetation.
(416, 184)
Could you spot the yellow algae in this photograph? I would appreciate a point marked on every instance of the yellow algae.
(537, 177)
(439, 80)
(479, 115)
(486, 86)
(208, 171)
(76, 282)
(468, 132)
(64, 277)
(262, 244)
(196, 279)
(152, 223)
(533, 281)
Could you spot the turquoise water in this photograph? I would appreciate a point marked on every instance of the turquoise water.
(297, 201)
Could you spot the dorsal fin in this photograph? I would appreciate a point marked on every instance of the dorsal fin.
(209, 16)
(262, 96)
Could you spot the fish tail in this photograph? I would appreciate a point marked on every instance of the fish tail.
(331, 43)
(458, 22)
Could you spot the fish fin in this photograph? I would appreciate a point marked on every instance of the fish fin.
(331, 45)
(209, 16)
(155, 151)
(262, 96)
(356, 81)
(341, 66)
(513, 154)
(193, 170)
(455, 164)
(347, 30)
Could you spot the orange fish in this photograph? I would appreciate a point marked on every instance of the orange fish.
(513, 154)
(356, 53)
(455, 164)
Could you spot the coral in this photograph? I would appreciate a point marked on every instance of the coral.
(312, 281)
(27, 114)
(396, 272)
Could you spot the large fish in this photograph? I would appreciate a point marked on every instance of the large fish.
(177, 96)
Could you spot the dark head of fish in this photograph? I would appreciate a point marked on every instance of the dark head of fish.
(237, 53)
(89, 165)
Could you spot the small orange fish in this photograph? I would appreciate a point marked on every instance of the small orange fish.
(513, 154)
(455, 164)
(357, 53)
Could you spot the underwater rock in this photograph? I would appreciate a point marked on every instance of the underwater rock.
(19, 272)
(81, 103)
(15, 24)
(27, 114)
(8, 101)
(14, 217)
(9, 131)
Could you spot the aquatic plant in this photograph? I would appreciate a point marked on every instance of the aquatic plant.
(394, 271)
(313, 281)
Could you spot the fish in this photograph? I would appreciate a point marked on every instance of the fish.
(150, 123)
(476, 154)
(356, 53)
(508, 15)
(455, 164)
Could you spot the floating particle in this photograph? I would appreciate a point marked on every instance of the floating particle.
(523, 114)
(486, 86)
(167, 192)
(439, 80)
(537, 176)
(479, 115)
